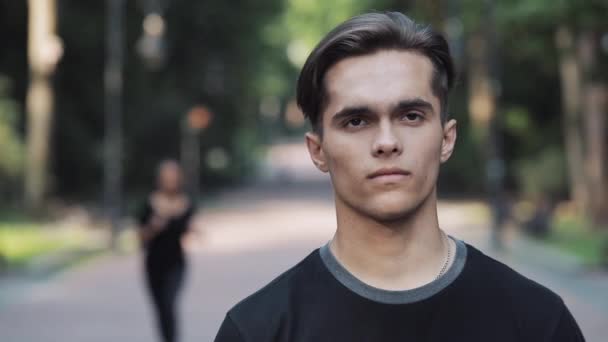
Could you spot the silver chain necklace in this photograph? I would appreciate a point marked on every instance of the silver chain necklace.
(447, 260)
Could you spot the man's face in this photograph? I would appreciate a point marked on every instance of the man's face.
(383, 140)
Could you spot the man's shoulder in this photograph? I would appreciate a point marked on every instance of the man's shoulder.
(272, 301)
(504, 279)
(533, 305)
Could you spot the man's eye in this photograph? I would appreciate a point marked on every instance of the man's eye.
(412, 117)
(356, 122)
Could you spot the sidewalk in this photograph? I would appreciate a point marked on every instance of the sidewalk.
(15, 282)
(85, 238)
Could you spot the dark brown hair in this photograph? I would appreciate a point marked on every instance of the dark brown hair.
(366, 34)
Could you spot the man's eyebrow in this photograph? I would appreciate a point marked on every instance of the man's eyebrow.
(417, 103)
(414, 103)
(350, 111)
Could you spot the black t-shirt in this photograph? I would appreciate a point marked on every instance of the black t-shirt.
(477, 299)
(165, 248)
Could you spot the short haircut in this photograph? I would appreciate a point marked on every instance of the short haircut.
(366, 34)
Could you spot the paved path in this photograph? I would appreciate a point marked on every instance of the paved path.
(250, 237)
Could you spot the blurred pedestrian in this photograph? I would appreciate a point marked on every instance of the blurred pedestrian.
(164, 219)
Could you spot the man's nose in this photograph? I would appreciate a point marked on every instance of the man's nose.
(386, 142)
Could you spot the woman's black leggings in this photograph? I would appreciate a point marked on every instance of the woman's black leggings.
(164, 284)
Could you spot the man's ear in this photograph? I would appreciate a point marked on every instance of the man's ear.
(313, 142)
(449, 140)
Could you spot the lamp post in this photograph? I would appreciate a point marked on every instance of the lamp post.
(197, 119)
(113, 82)
(151, 44)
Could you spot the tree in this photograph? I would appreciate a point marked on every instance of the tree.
(44, 53)
(578, 28)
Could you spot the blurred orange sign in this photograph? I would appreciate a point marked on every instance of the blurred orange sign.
(199, 117)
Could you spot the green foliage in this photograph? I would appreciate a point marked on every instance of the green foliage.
(11, 146)
(577, 236)
(517, 122)
(305, 22)
(581, 14)
(543, 175)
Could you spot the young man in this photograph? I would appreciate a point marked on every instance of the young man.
(375, 90)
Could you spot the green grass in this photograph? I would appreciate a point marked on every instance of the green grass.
(579, 238)
(20, 241)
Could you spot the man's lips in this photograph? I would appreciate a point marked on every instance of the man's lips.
(389, 172)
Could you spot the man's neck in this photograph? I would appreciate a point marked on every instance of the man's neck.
(400, 255)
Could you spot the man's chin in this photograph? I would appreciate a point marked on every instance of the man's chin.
(391, 213)
(387, 207)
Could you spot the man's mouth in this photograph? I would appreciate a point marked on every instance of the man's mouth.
(390, 173)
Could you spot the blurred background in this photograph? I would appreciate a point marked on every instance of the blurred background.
(94, 94)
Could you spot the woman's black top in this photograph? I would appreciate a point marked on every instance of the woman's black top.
(165, 249)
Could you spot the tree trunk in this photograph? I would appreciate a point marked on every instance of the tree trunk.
(43, 54)
(594, 109)
(39, 108)
(596, 99)
(483, 95)
(482, 98)
(570, 76)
